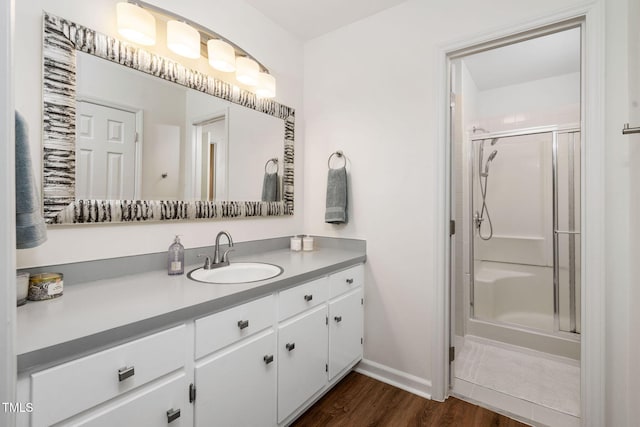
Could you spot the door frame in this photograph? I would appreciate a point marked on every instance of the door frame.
(7, 216)
(592, 362)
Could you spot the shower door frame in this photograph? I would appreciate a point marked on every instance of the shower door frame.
(592, 364)
(554, 130)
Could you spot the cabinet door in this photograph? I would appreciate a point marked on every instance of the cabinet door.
(237, 387)
(345, 331)
(302, 350)
(150, 406)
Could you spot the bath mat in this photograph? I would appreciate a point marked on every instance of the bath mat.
(550, 383)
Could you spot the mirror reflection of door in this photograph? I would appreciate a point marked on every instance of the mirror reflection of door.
(105, 152)
(212, 135)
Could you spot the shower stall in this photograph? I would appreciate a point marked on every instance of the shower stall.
(523, 215)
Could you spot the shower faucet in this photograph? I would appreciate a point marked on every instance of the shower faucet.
(477, 219)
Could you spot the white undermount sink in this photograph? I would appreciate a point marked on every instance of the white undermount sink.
(237, 272)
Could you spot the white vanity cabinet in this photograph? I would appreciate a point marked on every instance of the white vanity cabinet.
(236, 384)
(260, 363)
(105, 378)
(345, 331)
(346, 319)
(302, 361)
(146, 407)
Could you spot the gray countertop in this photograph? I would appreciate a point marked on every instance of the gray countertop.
(96, 314)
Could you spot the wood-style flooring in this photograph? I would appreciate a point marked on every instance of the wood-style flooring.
(362, 401)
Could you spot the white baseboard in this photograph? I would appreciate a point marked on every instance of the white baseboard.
(396, 378)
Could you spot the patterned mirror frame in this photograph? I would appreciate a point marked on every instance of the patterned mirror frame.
(61, 40)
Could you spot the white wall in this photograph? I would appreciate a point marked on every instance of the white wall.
(7, 216)
(382, 114)
(633, 105)
(531, 97)
(622, 163)
(252, 146)
(275, 48)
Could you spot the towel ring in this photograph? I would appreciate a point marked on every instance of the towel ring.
(339, 154)
(274, 161)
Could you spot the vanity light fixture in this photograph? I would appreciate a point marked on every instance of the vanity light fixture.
(247, 71)
(183, 39)
(266, 86)
(136, 24)
(222, 56)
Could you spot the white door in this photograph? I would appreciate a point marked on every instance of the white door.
(302, 363)
(345, 331)
(238, 387)
(105, 152)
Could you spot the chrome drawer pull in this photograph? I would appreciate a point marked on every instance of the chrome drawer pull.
(172, 415)
(290, 346)
(350, 281)
(308, 298)
(243, 324)
(268, 358)
(338, 319)
(124, 373)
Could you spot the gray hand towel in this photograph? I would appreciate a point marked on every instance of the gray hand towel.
(270, 187)
(336, 210)
(30, 227)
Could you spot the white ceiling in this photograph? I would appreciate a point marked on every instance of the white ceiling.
(308, 19)
(534, 59)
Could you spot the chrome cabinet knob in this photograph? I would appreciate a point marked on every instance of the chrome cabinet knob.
(338, 319)
(350, 281)
(308, 297)
(290, 346)
(268, 358)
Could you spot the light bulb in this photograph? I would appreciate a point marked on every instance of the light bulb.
(183, 39)
(266, 86)
(136, 24)
(247, 71)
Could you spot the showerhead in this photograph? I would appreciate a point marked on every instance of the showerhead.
(492, 156)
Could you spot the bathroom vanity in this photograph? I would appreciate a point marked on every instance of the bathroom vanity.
(153, 350)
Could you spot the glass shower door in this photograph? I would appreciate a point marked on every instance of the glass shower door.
(567, 255)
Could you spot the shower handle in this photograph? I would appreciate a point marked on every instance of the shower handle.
(477, 219)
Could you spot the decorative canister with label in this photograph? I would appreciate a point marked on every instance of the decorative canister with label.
(45, 286)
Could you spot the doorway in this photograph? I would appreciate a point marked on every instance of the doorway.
(516, 197)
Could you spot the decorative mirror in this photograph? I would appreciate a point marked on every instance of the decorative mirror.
(227, 141)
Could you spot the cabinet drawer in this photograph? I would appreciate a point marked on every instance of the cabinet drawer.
(150, 406)
(346, 280)
(302, 297)
(67, 389)
(226, 327)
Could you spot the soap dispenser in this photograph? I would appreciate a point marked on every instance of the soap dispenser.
(175, 261)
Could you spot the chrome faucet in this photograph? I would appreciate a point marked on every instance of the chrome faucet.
(224, 260)
(218, 261)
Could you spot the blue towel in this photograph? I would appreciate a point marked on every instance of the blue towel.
(30, 227)
(336, 207)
